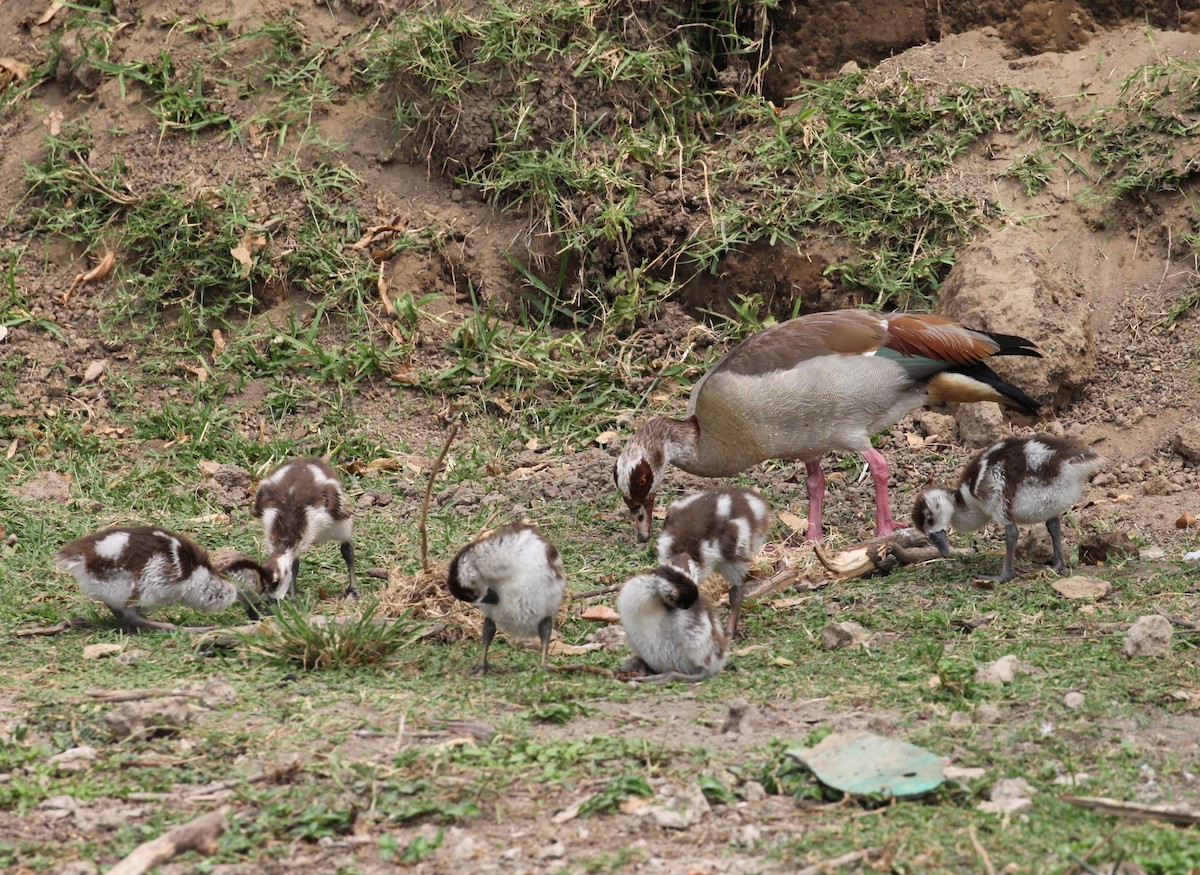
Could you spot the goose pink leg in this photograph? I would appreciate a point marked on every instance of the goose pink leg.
(816, 497)
(877, 465)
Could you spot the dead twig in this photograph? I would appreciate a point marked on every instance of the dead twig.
(781, 580)
(981, 851)
(437, 466)
(140, 695)
(198, 835)
(837, 862)
(72, 623)
(592, 593)
(587, 669)
(1180, 815)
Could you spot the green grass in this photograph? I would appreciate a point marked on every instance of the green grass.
(852, 158)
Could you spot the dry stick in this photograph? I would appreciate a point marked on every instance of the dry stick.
(1177, 814)
(437, 466)
(835, 862)
(140, 695)
(72, 623)
(587, 669)
(592, 593)
(981, 851)
(199, 835)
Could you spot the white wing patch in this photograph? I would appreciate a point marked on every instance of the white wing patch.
(112, 546)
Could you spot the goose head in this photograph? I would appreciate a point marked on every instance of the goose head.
(251, 579)
(638, 473)
(933, 512)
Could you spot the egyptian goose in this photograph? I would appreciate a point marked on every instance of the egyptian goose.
(671, 627)
(1019, 480)
(517, 578)
(816, 384)
(302, 504)
(716, 530)
(146, 566)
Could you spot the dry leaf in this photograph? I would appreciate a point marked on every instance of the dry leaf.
(241, 255)
(782, 660)
(561, 647)
(793, 522)
(218, 340)
(405, 375)
(1122, 498)
(605, 437)
(12, 449)
(602, 613)
(383, 285)
(99, 272)
(12, 70)
(199, 372)
(1186, 521)
(53, 122)
(914, 440)
(50, 12)
(3, 331)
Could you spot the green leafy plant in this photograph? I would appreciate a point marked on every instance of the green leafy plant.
(314, 641)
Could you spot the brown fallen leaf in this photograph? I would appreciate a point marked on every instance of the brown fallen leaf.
(601, 613)
(218, 340)
(99, 272)
(12, 70)
(1185, 521)
(50, 12)
(793, 522)
(384, 286)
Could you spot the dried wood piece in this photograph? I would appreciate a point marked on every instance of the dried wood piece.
(198, 835)
(902, 547)
(1181, 815)
(72, 623)
(781, 580)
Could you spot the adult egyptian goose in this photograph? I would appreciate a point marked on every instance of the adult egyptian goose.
(516, 577)
(716, 530)
(302, 504)
(146, 566)
(671, 627)
(816, 384)
(1017, 481)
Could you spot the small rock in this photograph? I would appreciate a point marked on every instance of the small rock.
(1152, 554)
(1079, 587)
(998, 673)
(960, 718)
(99, 651)
(749, 836)
(733, 719)
(835, 636)
(980, 425)
(216, 692)
(988, 713)
(1073, 700)
(1103, 548)
(133, 656)
(608, 637)
(59, 803)
(75, 759)
(1187, 442)
(1009, 795)
(752, 791)
(556, 851)
(680, 811)
(1149, 636)
(153, 717)
(95, 370)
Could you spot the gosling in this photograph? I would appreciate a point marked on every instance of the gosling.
(1017, 481)
(146, 566)
(716, 530)
(302, 504)
(671, 628)
(516, 577)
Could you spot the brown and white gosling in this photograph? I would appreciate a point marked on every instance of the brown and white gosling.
(716, 530)
(146, 566)
(671, 628)
(517, 579)
(1017, 481)
(302, 504)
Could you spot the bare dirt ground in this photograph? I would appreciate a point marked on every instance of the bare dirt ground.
(1094, 295)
